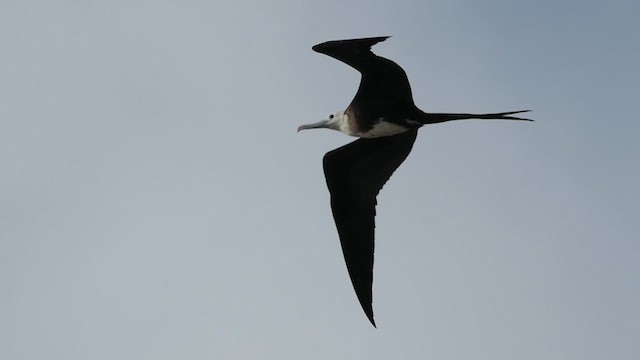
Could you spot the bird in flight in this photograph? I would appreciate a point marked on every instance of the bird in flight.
(385, 119)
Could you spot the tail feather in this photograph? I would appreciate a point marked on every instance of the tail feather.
(433, 118)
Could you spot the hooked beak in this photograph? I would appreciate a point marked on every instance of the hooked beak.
(318, 125)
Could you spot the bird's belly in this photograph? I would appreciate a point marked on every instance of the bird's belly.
(383, 128)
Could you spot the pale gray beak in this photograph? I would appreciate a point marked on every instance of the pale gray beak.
(318, 125)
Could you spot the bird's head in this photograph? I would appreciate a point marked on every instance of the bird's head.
(335, 121)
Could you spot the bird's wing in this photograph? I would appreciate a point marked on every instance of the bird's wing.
(354, 52)
(355, 173)
(382, 79)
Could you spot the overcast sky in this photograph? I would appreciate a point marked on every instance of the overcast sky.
(156, 201)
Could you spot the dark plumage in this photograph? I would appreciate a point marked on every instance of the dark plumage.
(384, 116)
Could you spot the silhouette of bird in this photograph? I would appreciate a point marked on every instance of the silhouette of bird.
(383, 115)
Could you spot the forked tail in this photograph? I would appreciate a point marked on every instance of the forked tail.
(433, 118)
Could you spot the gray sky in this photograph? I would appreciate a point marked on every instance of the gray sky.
(157, 203)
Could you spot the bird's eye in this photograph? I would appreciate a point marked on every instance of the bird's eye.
(330, 116)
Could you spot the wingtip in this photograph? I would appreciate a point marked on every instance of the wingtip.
(373, 323)
(369, 313)
(370, 41)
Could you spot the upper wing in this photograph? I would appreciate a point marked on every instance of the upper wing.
(355, 173)
(354, 52)
(383, 81)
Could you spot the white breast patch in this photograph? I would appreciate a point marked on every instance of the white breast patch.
(383, 128)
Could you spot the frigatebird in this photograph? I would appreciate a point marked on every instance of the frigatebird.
(383, 115)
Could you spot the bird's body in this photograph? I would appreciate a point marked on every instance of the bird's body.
(383, 115)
